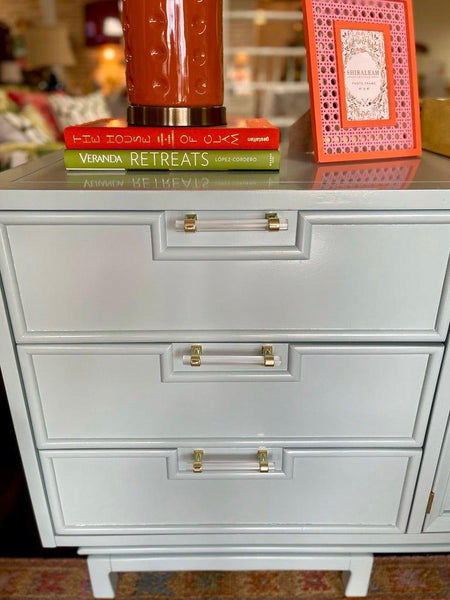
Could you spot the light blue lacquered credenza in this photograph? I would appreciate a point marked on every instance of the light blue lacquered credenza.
(231, 370)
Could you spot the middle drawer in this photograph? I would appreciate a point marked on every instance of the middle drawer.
(315, 395)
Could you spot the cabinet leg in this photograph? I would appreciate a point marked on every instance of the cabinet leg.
(103, 580)
(357, 578)
(103, 568)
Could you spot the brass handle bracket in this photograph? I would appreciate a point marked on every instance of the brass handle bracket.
(273, 221)
(197, 467)
(263, 460)
(269, 358)
(190, 223)
(196, 355)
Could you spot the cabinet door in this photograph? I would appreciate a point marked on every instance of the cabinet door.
(439, 517)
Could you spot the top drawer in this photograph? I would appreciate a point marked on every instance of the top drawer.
(136, 277)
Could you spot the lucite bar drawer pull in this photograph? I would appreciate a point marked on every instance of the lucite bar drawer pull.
(265, 359)
(261, 463)
(271, 222)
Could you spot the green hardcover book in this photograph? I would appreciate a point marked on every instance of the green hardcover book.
(181, 160)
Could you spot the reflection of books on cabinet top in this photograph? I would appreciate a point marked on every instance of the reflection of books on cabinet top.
(297, 173)
(171, 180)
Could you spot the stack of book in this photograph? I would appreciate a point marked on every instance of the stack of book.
(242, 144)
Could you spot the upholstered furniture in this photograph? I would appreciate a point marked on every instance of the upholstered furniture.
(261, 386)
(32, 122)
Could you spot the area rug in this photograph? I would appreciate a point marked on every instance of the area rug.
(418, 577)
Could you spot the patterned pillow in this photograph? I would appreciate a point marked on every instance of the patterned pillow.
(17, 128)
(70, 110)
(6, 104)
(39, 121)
(41, 101)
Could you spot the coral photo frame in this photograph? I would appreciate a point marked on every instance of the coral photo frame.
(363, 79)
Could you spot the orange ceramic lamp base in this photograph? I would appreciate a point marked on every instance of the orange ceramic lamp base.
(174, 62)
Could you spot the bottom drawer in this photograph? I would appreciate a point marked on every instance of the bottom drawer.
(144, 491)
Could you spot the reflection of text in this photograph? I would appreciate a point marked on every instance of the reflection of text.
(149, 182)
(160, 181)
(90, 184)
(165, 183)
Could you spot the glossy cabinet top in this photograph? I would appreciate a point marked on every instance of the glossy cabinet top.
(417, 183)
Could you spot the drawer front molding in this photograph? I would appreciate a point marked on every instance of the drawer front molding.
(126, 492)
(97, 280)
(129, 396)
